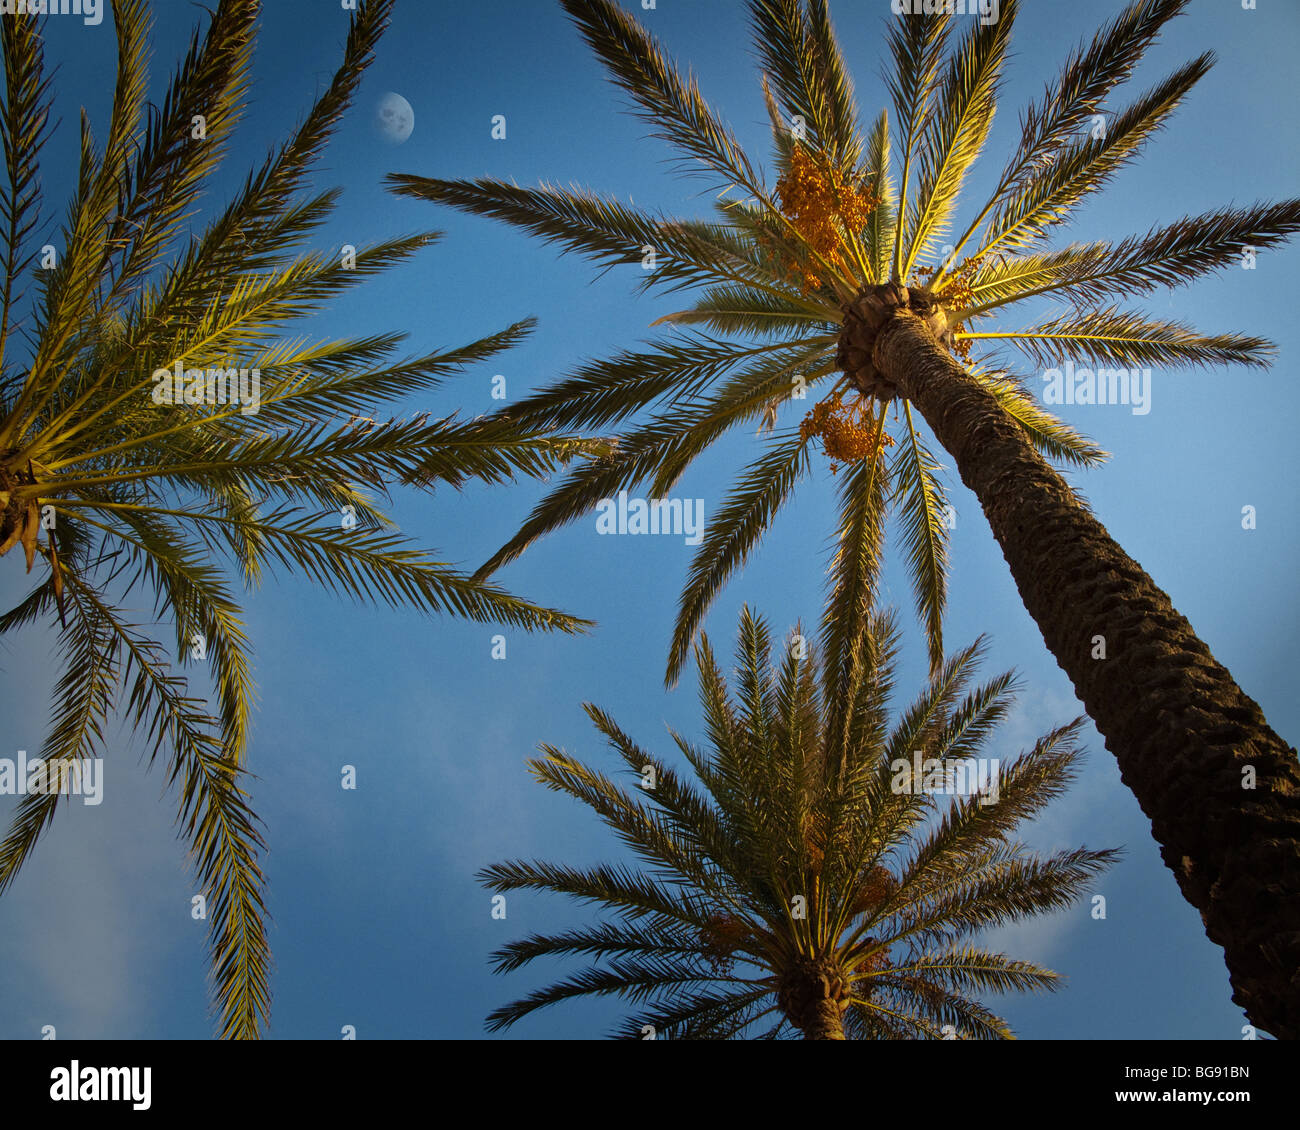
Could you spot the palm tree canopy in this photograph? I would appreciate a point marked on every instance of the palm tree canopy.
(852, 204)
(809, 854)
(116, 490)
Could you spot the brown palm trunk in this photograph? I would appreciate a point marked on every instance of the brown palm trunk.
(1183, 732)
(813, 994)
(823, 1021)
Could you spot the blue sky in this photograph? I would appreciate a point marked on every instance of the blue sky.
(378, 922)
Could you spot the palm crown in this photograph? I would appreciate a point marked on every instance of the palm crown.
(116, 492)
(808, 880)
(776, 275)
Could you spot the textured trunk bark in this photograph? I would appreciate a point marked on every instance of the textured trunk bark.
(823, 1021)
(1183, 732)
(813, 994)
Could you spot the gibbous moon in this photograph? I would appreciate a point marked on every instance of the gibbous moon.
(394, 118)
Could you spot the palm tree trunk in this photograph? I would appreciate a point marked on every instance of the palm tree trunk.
(1185, 735)
(813, 993)
(823, 1021)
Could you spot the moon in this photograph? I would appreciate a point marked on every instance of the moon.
(394, 118)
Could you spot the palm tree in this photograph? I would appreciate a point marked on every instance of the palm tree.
(818, 280)
(116, 490)
(810, 881)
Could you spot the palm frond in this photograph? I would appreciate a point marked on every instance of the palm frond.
(670, 104)
(1169, 256)
(922, 508)
(917, 45)
(214, 817)
(609, 391)
(1126, 338)
(1071, 100)
(956, 130)
(1086, 166)
(82, 701)
(1051, 437)
(24, 127)
(799, 52)
(744, 310)
(879, 235)
(855, 567)
(732, 533)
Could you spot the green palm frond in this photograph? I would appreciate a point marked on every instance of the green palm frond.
(24, 127)
(954, 135)
(674, 372)
(995, 896)
(705, 1015)
(585, 488)
(743, 310)
(670, 104)
(917, 46)
(693, 820)
(970, 968)
(823, 44)
(351, 378)
(191, 590)
(82, 701)
(646, 833)
(879, 237)
(214, 817)
(1089, 75)
(597, 941)
(856, 560)
(923, 1001)
(660, 450)
(733, 532)
(923, 506)
(799, 53)
(211, 83)
(1086, 166)
(1167, 256)
(1050, 436)
(635, 894)
(607, 232)
(1006, 279)
(1125, 338)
